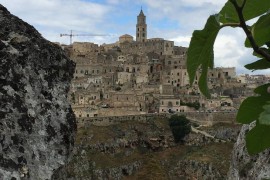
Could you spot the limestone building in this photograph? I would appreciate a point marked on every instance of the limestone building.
(125, 37)
(144, 76)
(142, 44)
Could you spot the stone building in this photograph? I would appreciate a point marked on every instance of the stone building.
(146, 75)
(169, 104)
(87, 97)
(85, 48)
(125, 38)
(141, 28)
(156, 45)
(142, 44)
(127, 100)
(124, 77)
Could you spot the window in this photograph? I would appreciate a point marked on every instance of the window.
(143, 34)
(138, 35)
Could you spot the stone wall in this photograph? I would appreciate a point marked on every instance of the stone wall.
(198, 117)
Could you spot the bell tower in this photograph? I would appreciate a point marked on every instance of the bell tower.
(141, 28)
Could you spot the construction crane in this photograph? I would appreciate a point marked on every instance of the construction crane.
(71, 35)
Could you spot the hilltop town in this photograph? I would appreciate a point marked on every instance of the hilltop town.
(132, 77)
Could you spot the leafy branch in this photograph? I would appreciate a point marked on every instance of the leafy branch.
(243, 25)
(200, 58)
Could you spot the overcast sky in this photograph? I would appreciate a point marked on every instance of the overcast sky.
(169, 19)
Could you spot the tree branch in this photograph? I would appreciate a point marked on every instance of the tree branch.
(244, 3)
(249, 35)
(230, 24)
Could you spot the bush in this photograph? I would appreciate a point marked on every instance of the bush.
(180, 127)
(118, 88)
(195, 105)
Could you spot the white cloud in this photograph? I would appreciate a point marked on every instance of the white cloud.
(229, 51)
(181, 40)
(196, 3)
(172, 19)
(60, 16)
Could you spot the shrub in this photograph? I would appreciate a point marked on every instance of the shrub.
(180, 127)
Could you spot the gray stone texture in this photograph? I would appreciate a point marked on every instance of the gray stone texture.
(37, 125)
(244, 166)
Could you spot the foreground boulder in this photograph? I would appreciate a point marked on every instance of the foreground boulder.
(37, 125)
(243, 166)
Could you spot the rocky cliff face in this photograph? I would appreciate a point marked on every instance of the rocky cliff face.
(145, 149)
(37, 125)
(243, 166)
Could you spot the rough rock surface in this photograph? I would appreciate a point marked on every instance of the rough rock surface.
(37, 125)
(245, 167)
(194, 170)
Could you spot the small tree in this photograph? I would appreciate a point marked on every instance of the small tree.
(180, 127)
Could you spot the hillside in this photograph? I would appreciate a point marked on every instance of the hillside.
(146, 150)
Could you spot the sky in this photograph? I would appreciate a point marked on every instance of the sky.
(169, 19)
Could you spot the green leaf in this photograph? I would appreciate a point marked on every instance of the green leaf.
(262, 90)
(252, 9)
(258, 139)
(260, 64)
(265, 115)
(251, 108)
(260, 31)
(200, 52)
